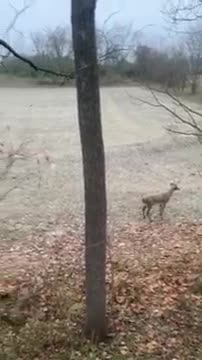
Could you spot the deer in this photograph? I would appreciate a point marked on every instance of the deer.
(160, 199)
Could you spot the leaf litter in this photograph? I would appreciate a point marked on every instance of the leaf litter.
(154, 294)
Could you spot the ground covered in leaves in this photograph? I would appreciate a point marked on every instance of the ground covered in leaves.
(154, 280)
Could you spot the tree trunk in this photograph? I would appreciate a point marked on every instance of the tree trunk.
(194, 87)
(87, 81)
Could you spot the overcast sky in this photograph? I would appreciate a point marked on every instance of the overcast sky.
(51, 13)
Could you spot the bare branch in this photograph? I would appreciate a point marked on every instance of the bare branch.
(112, 50)
(18, 13)
(31, 63)
(110, 17)
(11, 156)
(183, 11)
(36, 68)
(189, 111)
(182, 132)
(11, 26)
(182, 104)
(146, 102)
(191, 123)
(3, 197)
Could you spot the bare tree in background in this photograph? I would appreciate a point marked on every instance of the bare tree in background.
(168, 67)
(84, 43)
(193, 40)
(53, 49)
(187, 119)
(115, 41)
(55, 43)
(182, 11)
(18, 12)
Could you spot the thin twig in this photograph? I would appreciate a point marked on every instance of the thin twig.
(177, 100)
(18, 13)
(187, 12)
(159, 104)
(182, 132)
(110, 17)
(11, 26)
(2, 197)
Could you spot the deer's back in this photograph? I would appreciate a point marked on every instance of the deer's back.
(156, 199)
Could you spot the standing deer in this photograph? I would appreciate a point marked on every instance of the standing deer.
(160, 199)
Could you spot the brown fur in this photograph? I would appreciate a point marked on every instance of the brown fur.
(161, 199)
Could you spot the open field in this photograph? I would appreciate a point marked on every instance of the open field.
(142, 157)
(153, 270)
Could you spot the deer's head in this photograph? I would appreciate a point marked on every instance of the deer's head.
(174, 187)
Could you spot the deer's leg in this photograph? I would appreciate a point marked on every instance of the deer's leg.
(143, 211)
(161, 210)
(148, 212)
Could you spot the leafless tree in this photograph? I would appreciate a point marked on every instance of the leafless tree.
(187, 118)
(55, 43)
(39, 43)
(18, 12)
(193, 41)
(115, 42)
(168, 67)
(59, 42)
(182, 11)
(53, 49)
(84, 43)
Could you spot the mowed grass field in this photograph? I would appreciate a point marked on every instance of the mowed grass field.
(141, 157)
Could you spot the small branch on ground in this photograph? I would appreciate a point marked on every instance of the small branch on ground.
(8, 158)
(11, 156)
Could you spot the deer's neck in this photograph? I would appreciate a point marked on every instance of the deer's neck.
(170, 192)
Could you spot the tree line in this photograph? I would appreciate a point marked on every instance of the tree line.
(121, 57)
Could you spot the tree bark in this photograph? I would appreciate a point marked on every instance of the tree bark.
(194, 86)
(88, 97)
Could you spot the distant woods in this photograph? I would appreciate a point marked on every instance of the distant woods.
(123, 58)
